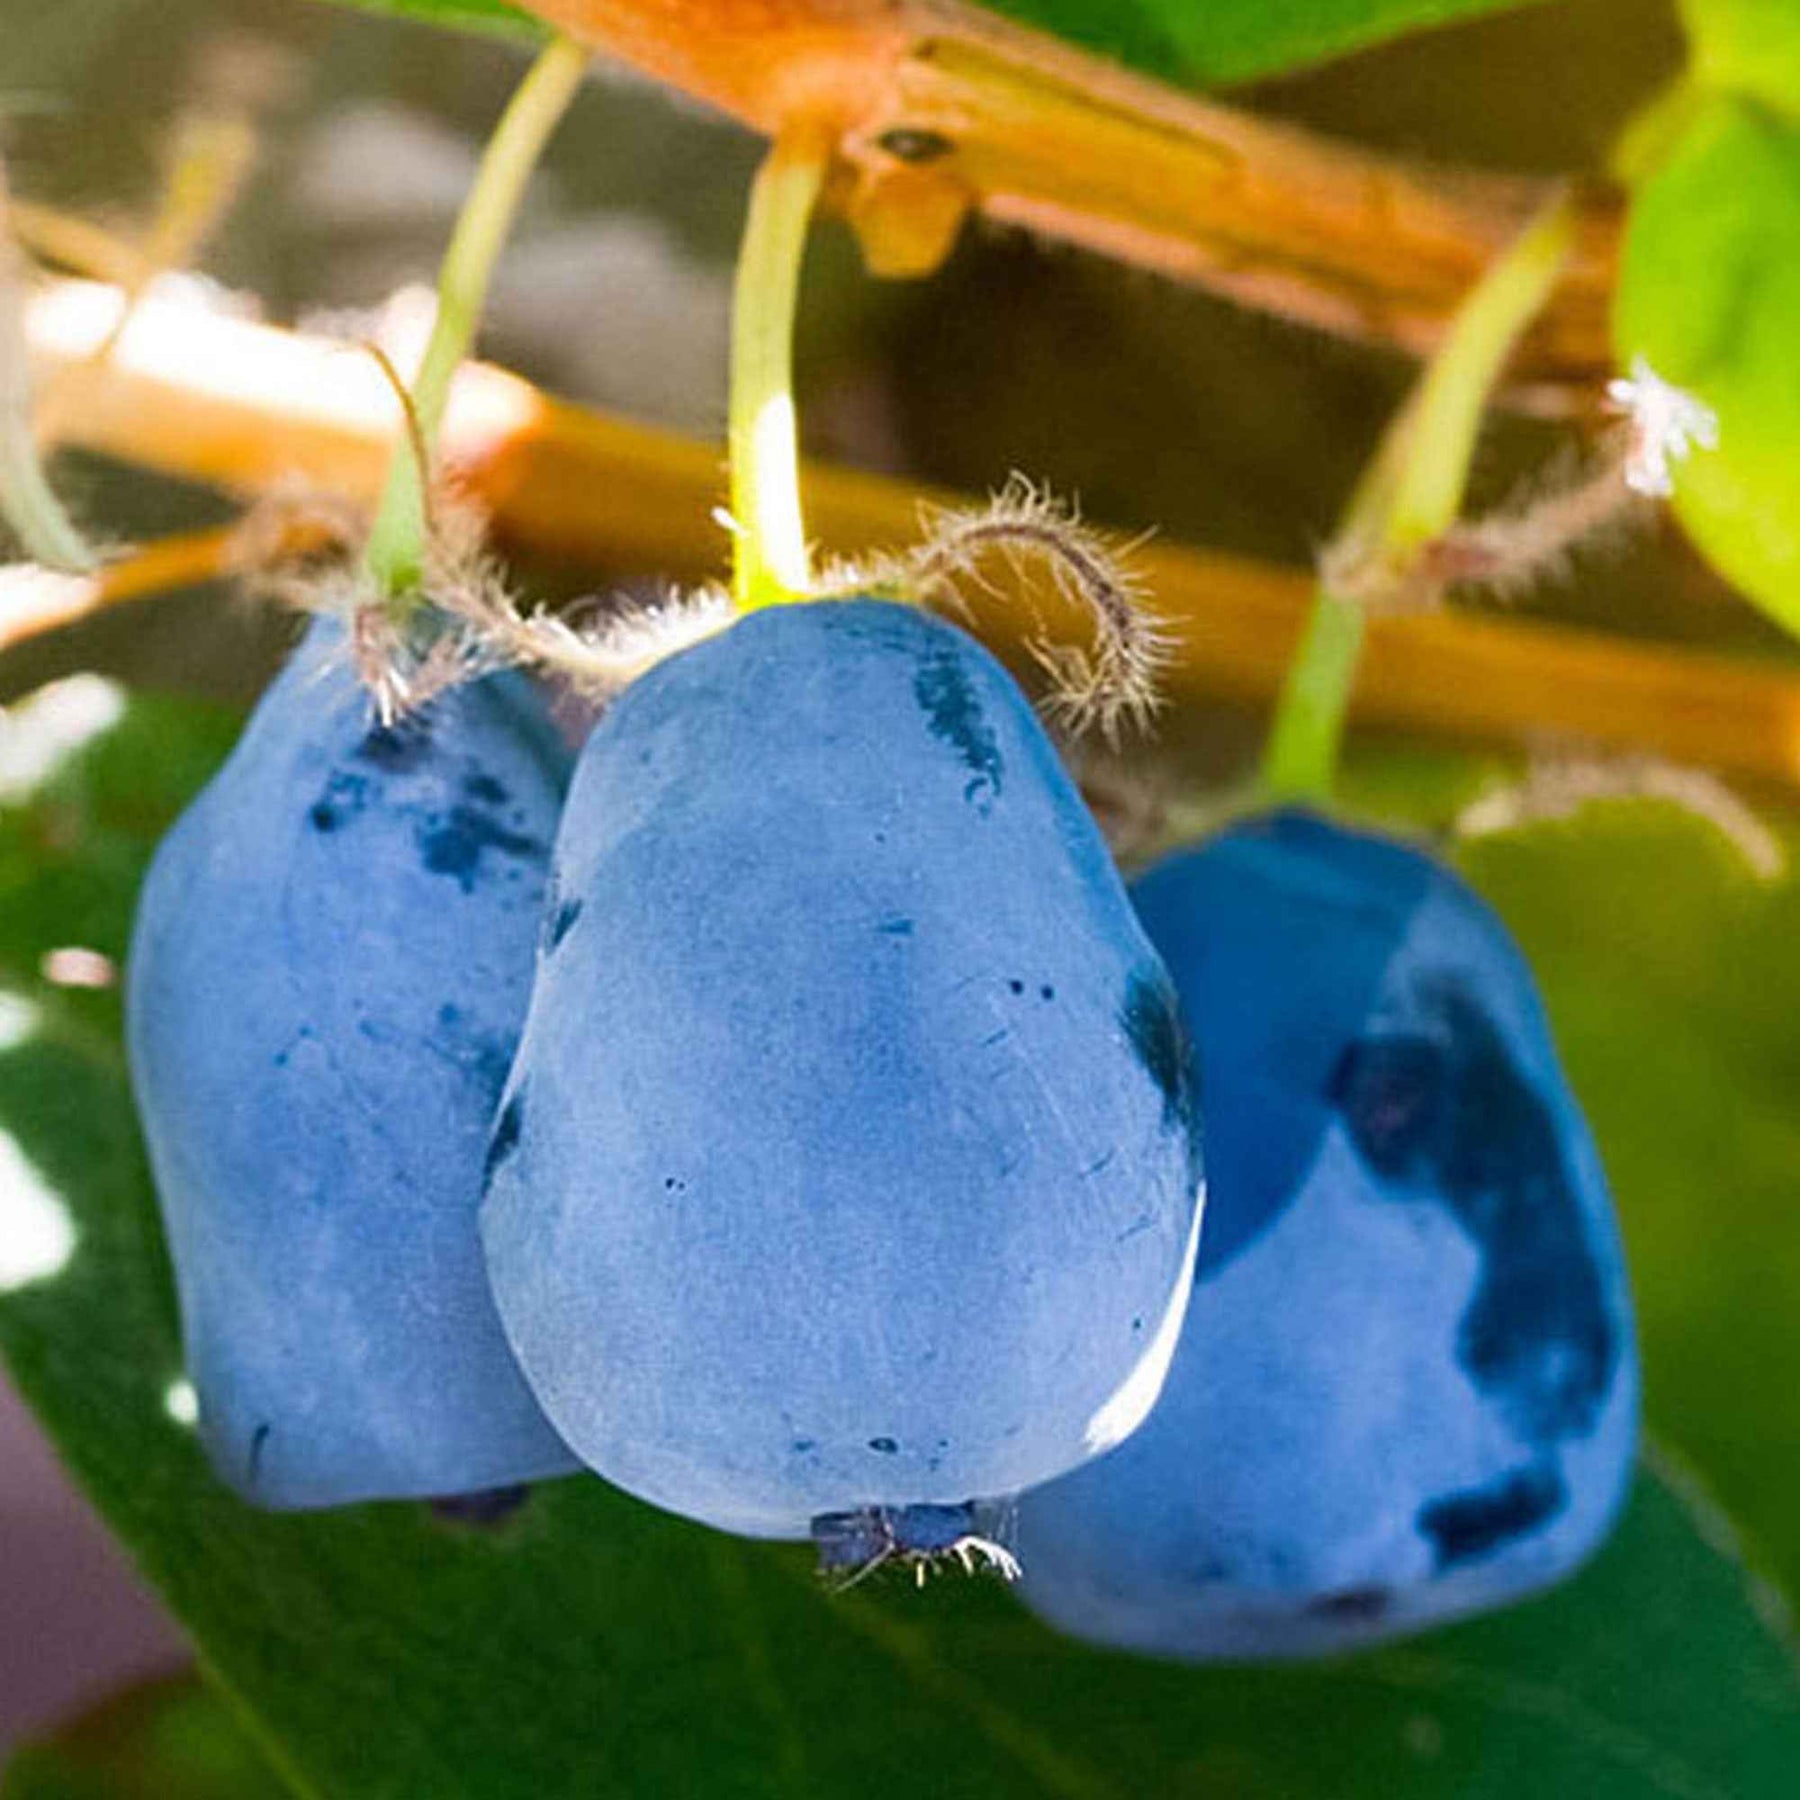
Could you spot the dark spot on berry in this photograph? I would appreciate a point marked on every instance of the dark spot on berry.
(449, 1016)
(1352, 1606)
(1465, 1527)
(480, 1511)
(506, 1136)
(259, 1440)
(884, 1446)
(484, 789)
(805, 1446)
(1449, 1116)
(1046, 992)
(895, 927)
(914, 144)
(1015, 987)
(345, 795)
(673, 1184)
(490, 1063)
(952, 709)
(1203, 1568)
(1151, 1021)
(397, 748)
(1390, 1091)
(454, 844)
(563, 921)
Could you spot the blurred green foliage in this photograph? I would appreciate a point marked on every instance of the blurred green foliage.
(168, 1740)
(1708, 295)
(1206, 42)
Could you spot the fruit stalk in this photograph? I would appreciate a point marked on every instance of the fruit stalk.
(27, 502)
(1409, 496)
(770, 562)
(395, 557)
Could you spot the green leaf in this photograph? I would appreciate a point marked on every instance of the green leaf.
(489, 16)
(1195, 41)
(1751, 46)
(1204, 42)
(593, 1646)
(167, 1740)
(1673, 978)
(1709, 289)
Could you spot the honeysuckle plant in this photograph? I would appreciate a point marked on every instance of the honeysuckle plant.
(585, 1643)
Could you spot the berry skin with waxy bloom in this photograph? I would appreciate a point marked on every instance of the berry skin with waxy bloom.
(1407, 1388)
(328, 975)
(848, 1164)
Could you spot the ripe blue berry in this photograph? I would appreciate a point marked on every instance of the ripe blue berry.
(1407, 1386)
(847, 1165)
(329, 971)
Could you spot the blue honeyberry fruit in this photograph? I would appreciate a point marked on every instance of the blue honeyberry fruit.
(329, 972)
(848, 1160)
(1407, 1387)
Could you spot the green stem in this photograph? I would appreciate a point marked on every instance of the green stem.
(28, 503)
(1410, 496)
(1301, 760)
(771, 565)
(1453, 392)
(395, 557)
(44, 530)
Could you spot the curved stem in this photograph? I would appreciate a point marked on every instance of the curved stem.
(1409, 496)
(770, 561)
(1444, 418)
(28, 503)
(45, 531)
(395, 557)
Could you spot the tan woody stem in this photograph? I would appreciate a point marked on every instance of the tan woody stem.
(250, 407)
(944, 109)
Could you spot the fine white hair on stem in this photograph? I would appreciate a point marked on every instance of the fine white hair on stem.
(605, 655)
(478, 624)
(402, 667)
(597, 658)
(1559, 784)
(1575, 503)
(475, 625)
(1105, 686)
